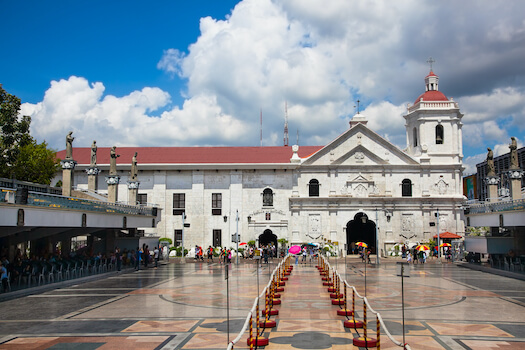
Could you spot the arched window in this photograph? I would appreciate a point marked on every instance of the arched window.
(406, 188)
(313, 188)
(415, 137)
(439, 134)
(267, 197)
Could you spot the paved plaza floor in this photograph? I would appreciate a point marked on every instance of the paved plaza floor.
(185, 306)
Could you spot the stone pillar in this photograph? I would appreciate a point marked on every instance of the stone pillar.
(133, 189)
(68, 166)
(92, 173)
(112, 181)
(515, 183)
(492, 188)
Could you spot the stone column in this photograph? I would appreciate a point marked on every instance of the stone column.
(92, 173)
(492, 187)
(112, 181)
(68, 166)
(133, 189)
(515, 183)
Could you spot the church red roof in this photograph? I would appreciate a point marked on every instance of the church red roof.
(432, 95)
(193, 155)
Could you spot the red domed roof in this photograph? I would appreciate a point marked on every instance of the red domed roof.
(432, 95)
(431, 74)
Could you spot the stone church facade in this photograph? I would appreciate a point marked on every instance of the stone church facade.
(345, 191)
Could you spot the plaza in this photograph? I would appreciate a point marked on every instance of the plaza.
(185, 306)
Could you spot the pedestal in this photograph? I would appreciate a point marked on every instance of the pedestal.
(492, 188)
(68, 166)
(92, 178)
(133, 190)
(515, 183)
(112, 181)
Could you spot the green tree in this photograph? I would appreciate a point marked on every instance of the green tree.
(36, 163)
(20, 155)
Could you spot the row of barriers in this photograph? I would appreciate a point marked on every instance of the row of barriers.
(271, 296)
(340, 299)
(332, 279)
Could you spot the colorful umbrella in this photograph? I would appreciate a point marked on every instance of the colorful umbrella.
(422, 247)
(243, 243)
(445, 245)
(295, 249)
(362, 244)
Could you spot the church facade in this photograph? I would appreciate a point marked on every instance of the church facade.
(359, 187)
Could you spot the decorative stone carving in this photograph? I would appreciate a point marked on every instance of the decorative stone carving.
(490, 163)
(112, 180)
(492, 180)
(134, 171)
(514, 163)
(360, 191)
(441, 186)
(113, 161)
(94, 147)
(407, 223)
(68, 164)
(69, 145)
(92, 171)
(359, 156)
(314, 224)
(515, 174)
(132, 185)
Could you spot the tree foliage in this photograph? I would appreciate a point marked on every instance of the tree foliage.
(21, 156)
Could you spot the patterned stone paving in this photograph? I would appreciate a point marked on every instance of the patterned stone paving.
(184, 306)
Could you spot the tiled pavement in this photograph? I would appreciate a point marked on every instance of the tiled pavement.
(184, 306)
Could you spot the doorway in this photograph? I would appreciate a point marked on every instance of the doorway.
(360, 229)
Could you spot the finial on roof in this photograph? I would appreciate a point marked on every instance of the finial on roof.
(430, 61)
(358, 106)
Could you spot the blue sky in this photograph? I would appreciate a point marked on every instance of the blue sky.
(194, 73)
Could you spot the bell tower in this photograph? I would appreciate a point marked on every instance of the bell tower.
(433, 125)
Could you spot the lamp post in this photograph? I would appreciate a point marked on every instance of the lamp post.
(377, 234)
(183, 259)
(437, 226)
(237, 234)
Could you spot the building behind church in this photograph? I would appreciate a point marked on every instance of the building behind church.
(345, 191)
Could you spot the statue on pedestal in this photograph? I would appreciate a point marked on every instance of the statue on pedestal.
(113, 161)
(490, 163)
(514, 163)
(93, 154)
(134, 171)
(69, 145)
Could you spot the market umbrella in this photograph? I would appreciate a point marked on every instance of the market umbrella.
(422, 247)
(362, 244)
(445, 245)
(295, 249)
(243, 243)
(312, 244)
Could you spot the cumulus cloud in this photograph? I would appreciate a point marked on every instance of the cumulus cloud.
(319, 57)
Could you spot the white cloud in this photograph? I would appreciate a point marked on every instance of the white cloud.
(320, 57)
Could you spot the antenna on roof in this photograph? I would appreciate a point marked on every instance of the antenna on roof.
(285, 123)
(261, 126)
(430, 61)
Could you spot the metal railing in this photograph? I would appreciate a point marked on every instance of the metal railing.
(56, 201)
(366, 305)
(34, 187)
(491, 207)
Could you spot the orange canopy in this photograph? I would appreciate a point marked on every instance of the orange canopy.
(447, 235)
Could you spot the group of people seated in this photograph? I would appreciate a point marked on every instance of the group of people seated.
(42, 268)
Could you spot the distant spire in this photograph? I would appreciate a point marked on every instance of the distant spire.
(297, 137)
(358, 106)
(285, 123)
(261, 126)
(430, 61)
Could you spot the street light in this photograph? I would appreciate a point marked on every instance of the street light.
(183, 259)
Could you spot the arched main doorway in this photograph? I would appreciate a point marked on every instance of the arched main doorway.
(266, 238)
(360, 230)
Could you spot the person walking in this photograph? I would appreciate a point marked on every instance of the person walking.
(137, 259)
(118, 258)
(156, 256)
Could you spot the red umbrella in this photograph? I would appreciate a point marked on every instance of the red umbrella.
(243, 243)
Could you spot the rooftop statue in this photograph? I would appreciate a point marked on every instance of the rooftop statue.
(490, 163)
(134, 171)
(113, 161)
(93, 154)
(69, 145)
(514, 163)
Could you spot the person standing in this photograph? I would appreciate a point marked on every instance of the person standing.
(137, 259)
(3, 277)
(156, 256)
(118, 258)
